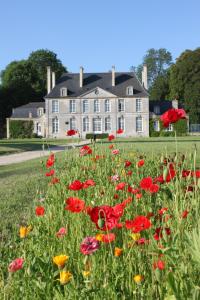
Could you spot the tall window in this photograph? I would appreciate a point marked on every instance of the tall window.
(55, 125)
(40, 112)
(97, 125)
(156, 125)
(157, 110)
(72, 106)
(85, 106)
(138, 105)
(107, 105)
(96, 105)
(85, 124)
(63, 92)
(72, 124)
(121, 105)
(55, 106)
(129, 90)
(121, 123)
(107, 124)
(139, 124)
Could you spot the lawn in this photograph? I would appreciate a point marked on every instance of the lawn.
(20, 145)
(22, 185)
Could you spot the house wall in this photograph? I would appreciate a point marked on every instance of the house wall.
(129, 115)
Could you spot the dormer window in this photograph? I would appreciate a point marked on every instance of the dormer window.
(129, 90)
(63, 92)
(157, 110)
(40, 112)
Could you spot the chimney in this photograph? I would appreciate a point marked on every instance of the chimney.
(113, 75)
(144, 77)
(53, 79)
(175, 103)
(30, 114)
(48, 80)
(81, 77)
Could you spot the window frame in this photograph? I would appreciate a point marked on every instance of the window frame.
(55, 106)
(85, 111)
(128, 89)
(55, 126)
(138, 107)
(63, 89)
(72, 104)
(136, 126)
(72, 123)
(86, 125)
(96, 106)
(93, 123)
(119, 123)
(123, 106)
(108, 128)
(107, 104)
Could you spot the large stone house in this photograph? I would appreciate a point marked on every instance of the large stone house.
(90, 103)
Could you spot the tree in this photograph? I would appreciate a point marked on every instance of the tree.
(157, 62)
(185, 82)
(160, 90)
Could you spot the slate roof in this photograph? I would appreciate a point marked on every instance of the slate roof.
(24, 110)
(102, 80)
(164, 105)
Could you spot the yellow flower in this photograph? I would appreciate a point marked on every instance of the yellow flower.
(65, 277)
(24, 231)
(99, 237)
(123, 172)
(118, 251)
(86, 273)
(135, 236)
(60, 260)
(138, 278)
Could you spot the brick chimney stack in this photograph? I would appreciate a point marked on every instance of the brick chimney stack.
(113, 75)
(81, 77)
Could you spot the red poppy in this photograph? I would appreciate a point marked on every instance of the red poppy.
(160, 264)
(159, 233)
(111, 146)
(120, 131)
(140, 163)
(111, 137)
(108, 238)
(74, 205)
(55, 180)
(154, 188)
(162, 210)
(71, 132)
(184, 214)
(138, 224)
(88, 183)
(50, 173)
(120, 186)
(85, 150)
(186, 173)
(129, 173)
(39, 211)
(146, 183)
(172, 116)
(116, 196)
(138, 196)
(76, 185)
(128, 163)
(50, 161)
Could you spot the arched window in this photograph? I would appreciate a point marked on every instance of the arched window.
(55, 125)
(107, 124)
(85, 124)
(139, 124)
(107, 105)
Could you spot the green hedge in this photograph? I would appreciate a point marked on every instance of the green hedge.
(21, 129)
(90, 136)
(180, 127)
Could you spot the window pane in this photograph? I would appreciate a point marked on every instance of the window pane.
(55, 125)
(138, 105)
(96, 106)
(72, 106)
(55, 107)
(97, 125)
(107, 105)
(139, 125)
(156, 125)
(107, 124)
(85, 124)
(72, 124)
(121, 123)
(85, 106)
(121, 105)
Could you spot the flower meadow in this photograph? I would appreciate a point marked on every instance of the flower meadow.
(111, 224)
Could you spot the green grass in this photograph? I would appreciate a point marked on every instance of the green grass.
(20, 145)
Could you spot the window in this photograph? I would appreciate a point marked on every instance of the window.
(96, 106)
(63, 92)
(121, 123)
(138, 105)
(169, 128)
(39, 129)
(72, 124)
(97, 125)
(107, 124)
(85, 124)
(107, 105)
(55, 106)
(139, 124)
(40, 112)
(121, 105)
(55, 125)
(129, 90)
(72, 106)
(157, 110)
(156, 125)
(85, 106)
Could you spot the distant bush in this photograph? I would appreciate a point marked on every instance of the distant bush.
(21, 129)
(180, 127)
(98, 135)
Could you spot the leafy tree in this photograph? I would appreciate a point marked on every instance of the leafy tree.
(157, 62)
(160, 90)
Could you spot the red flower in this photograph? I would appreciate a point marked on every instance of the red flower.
(88, 183)
(71, 132)
(111, 137)
(76, 185)
(39, 211)
(50, 161)
(154, 188)
(61, 232)
(186, 173)
(138, 224)
(85, 150)
(140, 163)
(128, 163)
(172, 116)
(162, 210)
(74, 205)
(50, 173)
(120, 186)
(116, 196)
(115, 151)
(55, 180)
(184, 214)
(111, 146)
(146, 183)
(120, 131)
(108, 238)
(158, 233)
(16, 265)
(159, 265)
(129, 173)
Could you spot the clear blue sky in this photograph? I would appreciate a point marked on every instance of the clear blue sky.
(97, 34)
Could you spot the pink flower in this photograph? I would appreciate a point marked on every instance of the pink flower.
(16, 265)
(89, 245)
(115, 177)
(61, 232)
(115, 151)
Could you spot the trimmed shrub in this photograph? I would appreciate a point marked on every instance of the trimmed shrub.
(21, 129)
(180, 127)
(98, 136)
